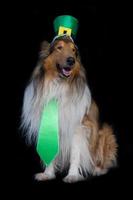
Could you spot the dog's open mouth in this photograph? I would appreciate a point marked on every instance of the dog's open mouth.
(64, 71)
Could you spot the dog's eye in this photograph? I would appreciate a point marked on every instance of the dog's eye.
(59, 47)
(73, 50)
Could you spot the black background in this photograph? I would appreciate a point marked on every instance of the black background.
(102, 40)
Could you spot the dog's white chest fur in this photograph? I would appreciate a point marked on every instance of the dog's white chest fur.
(72, 108)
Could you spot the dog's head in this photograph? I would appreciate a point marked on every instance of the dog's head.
(61, 58)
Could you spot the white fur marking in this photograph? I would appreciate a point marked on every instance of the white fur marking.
(48, 174)
(72, 108)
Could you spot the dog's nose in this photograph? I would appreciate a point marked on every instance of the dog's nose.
(70, 61)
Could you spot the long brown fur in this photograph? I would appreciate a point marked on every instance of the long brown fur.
(102, 142)
(101, 139)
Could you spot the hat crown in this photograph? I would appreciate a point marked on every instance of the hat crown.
(66, 24)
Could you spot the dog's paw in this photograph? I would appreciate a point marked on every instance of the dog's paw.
(43, 177)
(73, 178)
(98, 171)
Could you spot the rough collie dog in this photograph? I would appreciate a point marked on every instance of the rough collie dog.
(86, 148)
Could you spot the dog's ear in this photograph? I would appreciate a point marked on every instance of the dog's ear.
(45, 50)
(78, 56)
(38, 73)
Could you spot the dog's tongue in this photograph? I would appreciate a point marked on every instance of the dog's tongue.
(66, 71)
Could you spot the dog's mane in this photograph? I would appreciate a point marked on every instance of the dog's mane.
(46, 49)
(34, 93)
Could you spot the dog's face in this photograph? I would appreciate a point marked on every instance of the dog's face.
(63, 59)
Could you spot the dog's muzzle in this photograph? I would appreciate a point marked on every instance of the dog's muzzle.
(66, 69)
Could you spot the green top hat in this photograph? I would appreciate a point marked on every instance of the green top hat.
(66, 25)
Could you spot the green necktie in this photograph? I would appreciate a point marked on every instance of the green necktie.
(48, 138)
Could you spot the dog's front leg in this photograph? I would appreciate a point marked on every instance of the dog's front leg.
(73, 174)
(48, 174)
